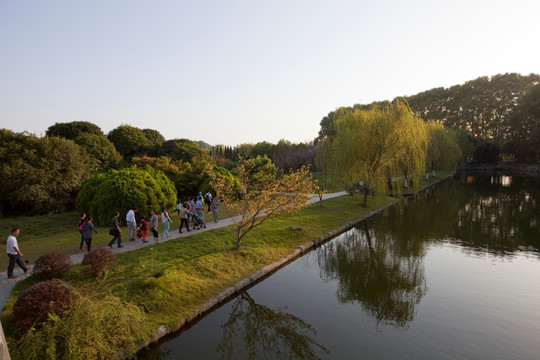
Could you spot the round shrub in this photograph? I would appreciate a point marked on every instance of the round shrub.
(142, 188)
(31, 308)
(99, 260)
(52, 265)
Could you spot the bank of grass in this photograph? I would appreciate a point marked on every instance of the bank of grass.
(169, 281)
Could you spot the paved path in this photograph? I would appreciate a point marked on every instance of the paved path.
(6, 285)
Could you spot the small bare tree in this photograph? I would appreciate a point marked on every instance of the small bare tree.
(259, 198)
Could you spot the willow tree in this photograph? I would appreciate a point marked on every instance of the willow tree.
(369, 146)
(443, 150)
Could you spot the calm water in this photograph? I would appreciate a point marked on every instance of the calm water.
(453, 274)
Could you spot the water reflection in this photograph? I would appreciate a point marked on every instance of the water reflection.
(372, 269)
(258, 332)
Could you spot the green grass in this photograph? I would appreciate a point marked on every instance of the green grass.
(170, 280)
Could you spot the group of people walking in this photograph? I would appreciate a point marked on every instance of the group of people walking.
(191, 211)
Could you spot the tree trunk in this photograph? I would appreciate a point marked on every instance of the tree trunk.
(238, 238)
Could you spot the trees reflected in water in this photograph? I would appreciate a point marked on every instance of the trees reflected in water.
(255, 331)
(372, 270)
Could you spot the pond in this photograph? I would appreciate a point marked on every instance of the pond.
(451, 274)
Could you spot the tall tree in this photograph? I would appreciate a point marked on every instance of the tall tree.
(71, 130)
(40, 175)
(371, 145)
(129, 141)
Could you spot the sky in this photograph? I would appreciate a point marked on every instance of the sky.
(232, 72)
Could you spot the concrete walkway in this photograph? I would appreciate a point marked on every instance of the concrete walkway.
(6, 285)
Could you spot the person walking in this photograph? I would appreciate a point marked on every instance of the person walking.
(199, 211)
(166, 221)
(215, 203)
(87, 232)
(81, 228)
(131, 224)
(184, 215)
(14, 254)
(208, 200)
(115, 231)
(153, 223)
(178, 207)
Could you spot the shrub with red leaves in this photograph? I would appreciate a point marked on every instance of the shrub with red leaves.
(52, 265)
(33, 305)
(100, 260)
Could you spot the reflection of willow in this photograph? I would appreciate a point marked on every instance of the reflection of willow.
(266, 333)
(370, 271)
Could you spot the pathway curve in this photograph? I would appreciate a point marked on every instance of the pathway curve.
(6, 285)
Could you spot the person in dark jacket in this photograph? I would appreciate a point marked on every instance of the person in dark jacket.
(87, 232)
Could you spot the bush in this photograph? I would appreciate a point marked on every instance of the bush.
(143, 188)
(36, 302)
(97, 328)
(100, 260)
(52, 265)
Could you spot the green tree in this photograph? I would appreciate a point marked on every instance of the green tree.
(443, 152)
(72, 130)
(524, 131)
(40, 175)
(183, 149)
(155, 140)
(129, 141)
(260, 170)
(143, 188)
(100, 149)
(371, 145)
(187, 177)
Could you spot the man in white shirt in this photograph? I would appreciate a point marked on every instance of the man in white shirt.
(14, 253)
(131, 224)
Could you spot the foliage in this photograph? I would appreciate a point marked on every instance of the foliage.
(51, 265)
(73, 130)
(187, 177)
(443, 152)
(372, 145)
(262, 199)
(525, 127)
(143, 188)
(100, 260)
(183, 149)
(36, 302)
(225, 175)
(40, 175)
(260, 171)
(129, 141)
(97, 328)
(498, 109)
(100, 149)
(487, 152)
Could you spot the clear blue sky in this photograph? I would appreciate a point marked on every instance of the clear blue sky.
(231, 72)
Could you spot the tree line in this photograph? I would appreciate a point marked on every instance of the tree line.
(499, 114)
(41, 175)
